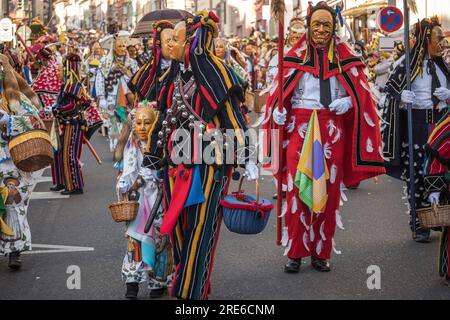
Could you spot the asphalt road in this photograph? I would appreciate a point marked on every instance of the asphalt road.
(246, 267)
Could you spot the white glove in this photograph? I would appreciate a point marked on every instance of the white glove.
(251, 171)
(146, 174)
(124, 186)
(442, 93)
(433, 198)
(4, 117)
(103, 104)
(408, 96)
(341, 106)
(278, 117)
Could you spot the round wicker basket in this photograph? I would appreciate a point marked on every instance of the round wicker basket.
(123, 211)
(434, 216)
(31, 151)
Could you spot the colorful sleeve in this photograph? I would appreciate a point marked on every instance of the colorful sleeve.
(19, 124)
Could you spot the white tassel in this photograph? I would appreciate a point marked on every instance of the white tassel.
(268, 117)
(283, 209)
(303, 220)
(331, 127)
(354, 71)
(334, 248)
(337, 137)
(333, 172)
(291, 126)
(319, 247)
(302, 130)
(327, 150)
(294, 205)
(290, 185)
(339, 220)
(273, 87)
(285, 238)
(285, 143)
(343, 196)
(312, 235)
(369, 147)
(288, 248)
(369, 120)
(365, 86)
(322, 234)
(305, 241)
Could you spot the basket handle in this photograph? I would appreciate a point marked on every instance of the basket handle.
(257, 188)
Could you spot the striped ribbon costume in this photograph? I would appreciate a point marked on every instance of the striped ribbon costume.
(193, 191)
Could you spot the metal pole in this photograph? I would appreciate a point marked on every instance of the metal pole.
(412, 187)
(280, 128)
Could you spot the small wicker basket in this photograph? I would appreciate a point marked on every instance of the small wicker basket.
(125, 210)
(434, 216)
(260, 101)
(32, 150)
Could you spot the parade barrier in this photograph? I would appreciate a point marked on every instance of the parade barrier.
(434, 216)
(124, 210)
(246, 214)
(32, 150)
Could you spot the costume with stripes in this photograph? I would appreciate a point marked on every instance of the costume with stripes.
(203, 90)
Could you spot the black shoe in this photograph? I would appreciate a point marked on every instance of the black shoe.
(157, 293)
(293, 265)
(422, 236)
(322, 265)
(74, 191)
(275, 195)
(14, 260)
(58, 187)
(132, 290)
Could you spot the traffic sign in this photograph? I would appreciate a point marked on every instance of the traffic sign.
(390, 19)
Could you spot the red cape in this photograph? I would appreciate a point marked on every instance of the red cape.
(361, 162)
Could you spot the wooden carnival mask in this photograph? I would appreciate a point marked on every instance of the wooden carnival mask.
(296, 30)
(120, 50)
(321, 27)
(166, 37)
(177, 46)
(437, 43)
(143, 121)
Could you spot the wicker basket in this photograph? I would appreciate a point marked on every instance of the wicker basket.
(434, 216)
(32, 150)
(125, 210)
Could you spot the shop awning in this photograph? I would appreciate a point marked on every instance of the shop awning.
(362, 8)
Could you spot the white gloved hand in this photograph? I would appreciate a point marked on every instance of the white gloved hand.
(278, 117)
(124, 186)
(341, 106)
(408, 96)
(103, 104)
(442, 93)
(433, 198)
(4, 117)
(251, 171)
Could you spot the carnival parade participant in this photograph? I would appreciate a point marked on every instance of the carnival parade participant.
(113, 94)
(145, 83)
(328, 111)
(18, 114)
(149, 255)
(430, 84)
(91, 65)
(437, 183)
(382, 70)
(71, 125)
(200, 96)
(223, 51)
